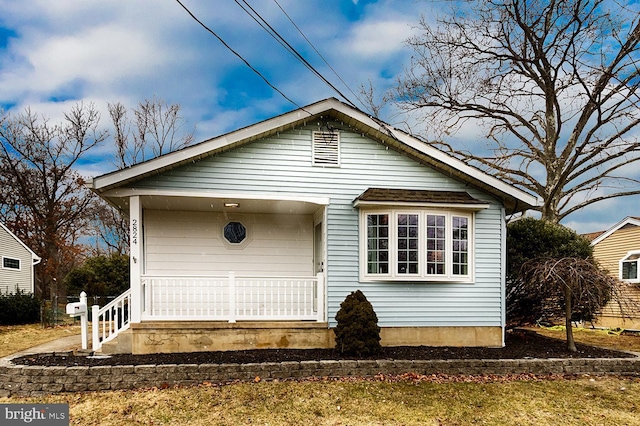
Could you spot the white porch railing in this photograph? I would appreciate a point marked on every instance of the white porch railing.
(111, 319)
(231, 298)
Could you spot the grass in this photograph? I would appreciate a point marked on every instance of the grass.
(433, 400)
(582, 401)
(593, 337)
(20, 337)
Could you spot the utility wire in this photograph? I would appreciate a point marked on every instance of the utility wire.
(240, 57)
(269, 29)
(318, 53)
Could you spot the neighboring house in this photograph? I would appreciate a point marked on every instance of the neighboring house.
(618, 251)
(16, 269)
(254, 238)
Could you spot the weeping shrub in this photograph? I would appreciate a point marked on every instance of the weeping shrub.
(357, 332)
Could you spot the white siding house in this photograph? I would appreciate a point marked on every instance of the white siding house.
(16, 269)
(254, 238)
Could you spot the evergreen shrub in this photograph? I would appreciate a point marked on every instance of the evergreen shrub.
(357, 331)
(19, 308)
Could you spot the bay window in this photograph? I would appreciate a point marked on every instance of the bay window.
(417, 245)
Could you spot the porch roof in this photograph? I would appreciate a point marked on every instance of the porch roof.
(514, 199)
(209, 201)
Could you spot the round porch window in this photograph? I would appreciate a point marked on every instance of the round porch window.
(235, 232)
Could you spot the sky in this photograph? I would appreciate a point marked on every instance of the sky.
(54, 54)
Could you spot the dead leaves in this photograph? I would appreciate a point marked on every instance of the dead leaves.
(410, 377)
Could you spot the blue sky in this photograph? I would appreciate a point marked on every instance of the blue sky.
(56, 53)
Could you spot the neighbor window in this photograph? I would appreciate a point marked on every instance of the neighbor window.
(417, 245)
(629, 267)
(10, 263)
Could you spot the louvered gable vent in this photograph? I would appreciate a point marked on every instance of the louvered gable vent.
(326, 148)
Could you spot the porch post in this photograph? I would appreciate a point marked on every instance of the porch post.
(232, 296)
(320, 296)
(135, 233)
(95, 327)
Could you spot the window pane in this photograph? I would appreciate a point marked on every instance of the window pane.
(235, 232)
(460, 241)
(407, 228)
(630, 270)
(377, 244)
(9, 263)
(435, 244)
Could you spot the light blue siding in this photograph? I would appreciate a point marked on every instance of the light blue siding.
(283, 165)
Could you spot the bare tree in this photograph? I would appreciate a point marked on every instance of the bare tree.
(553, 83)
(110, 229)
(570, 282)
(157, 129)
(44, 199)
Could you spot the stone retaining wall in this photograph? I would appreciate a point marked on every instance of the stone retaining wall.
(17, 380)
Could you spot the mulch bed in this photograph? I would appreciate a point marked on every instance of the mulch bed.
(519, 345)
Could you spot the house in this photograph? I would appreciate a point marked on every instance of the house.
(253, 239)
(618, 250)
(18, 260)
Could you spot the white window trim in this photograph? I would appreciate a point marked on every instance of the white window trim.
(422, 253)
(623, 260)
(12, 258)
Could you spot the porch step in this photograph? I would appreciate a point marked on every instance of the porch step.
(123, 344)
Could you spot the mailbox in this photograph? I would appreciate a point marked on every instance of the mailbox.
(76, 308)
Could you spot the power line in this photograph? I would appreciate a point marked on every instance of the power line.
(271, 31)
(240, 57)
(317, 52)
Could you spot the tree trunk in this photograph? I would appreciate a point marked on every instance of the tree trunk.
(571, 344)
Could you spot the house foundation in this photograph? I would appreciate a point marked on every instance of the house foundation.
(168, 337)
(197, 336)
(442, 336)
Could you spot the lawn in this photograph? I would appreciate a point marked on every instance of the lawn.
(443, 401)
(408, 400)
(18, 338)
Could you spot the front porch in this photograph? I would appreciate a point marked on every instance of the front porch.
(184, 247)
(198, 313)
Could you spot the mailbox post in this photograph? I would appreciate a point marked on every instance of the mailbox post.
(80, 309)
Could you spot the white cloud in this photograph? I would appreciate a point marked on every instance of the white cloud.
(97, 56)
(376, 39)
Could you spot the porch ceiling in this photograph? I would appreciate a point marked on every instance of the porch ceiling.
(157, 202)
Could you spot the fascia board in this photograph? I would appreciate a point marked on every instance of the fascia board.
(210, 146)
(440, 157)
(127, 192)
(626, 221)
(300, 115)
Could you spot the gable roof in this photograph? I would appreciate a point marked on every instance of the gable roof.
(629, 220)
(36, 259)
(514, 199)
